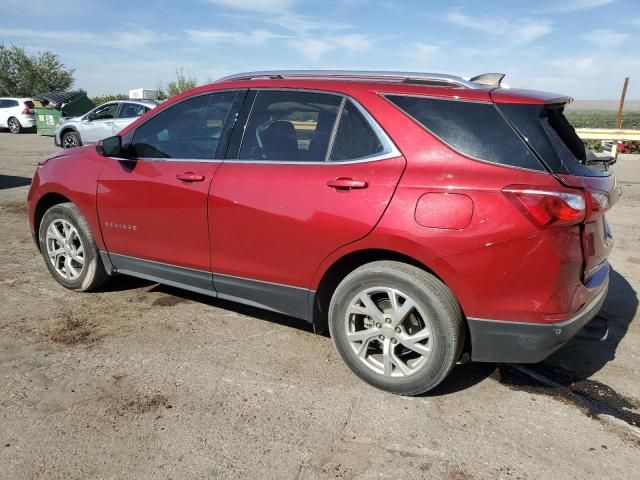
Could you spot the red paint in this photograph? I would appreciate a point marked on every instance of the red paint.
(288, 223)
(444, 210)
(284, 219)
(169, 214)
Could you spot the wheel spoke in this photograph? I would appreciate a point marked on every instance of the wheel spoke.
(363, 335)
(413, 342)
(370, 309)
(65, 230)
(386, 358)
(403, 367)
(53, 230)
(404, 310)
(364, 347)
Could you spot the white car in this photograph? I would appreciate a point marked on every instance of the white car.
(101, 122)
(17, 114)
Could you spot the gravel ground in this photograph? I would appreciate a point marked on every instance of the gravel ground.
(145, 381)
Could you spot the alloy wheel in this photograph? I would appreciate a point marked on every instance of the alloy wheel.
(70, 141)
(14, 125)
(388, 331)
(65, 249)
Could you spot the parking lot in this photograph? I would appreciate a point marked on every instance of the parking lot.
(145, 381)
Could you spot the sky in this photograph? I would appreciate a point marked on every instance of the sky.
(583, 48)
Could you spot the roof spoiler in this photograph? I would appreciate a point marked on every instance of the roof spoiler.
(488, 79)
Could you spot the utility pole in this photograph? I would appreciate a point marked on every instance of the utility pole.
(621, 106)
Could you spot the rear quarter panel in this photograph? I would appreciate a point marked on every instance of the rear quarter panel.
(500, 265)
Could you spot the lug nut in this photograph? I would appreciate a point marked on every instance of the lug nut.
(381, 337)
(378, 325)
(394, 341)
(398, 330)
(388, 320)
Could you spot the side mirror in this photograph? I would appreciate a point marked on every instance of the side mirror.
(110, 147)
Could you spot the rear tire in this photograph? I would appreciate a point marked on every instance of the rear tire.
(14, 125)
(396, 326)
(71, 140)
(69, 249)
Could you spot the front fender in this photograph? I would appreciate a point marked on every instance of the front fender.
(73, 176)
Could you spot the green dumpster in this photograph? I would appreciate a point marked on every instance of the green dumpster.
(52, 106)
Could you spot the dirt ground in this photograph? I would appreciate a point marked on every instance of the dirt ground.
(145, 381)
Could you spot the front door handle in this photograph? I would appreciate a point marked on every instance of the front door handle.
(190, 177)
(346, 183)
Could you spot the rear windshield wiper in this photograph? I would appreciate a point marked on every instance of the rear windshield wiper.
(606, 161)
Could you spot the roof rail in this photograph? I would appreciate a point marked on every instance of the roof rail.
(405, 77)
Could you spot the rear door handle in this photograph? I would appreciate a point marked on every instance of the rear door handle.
(346, 183)
(190, 177)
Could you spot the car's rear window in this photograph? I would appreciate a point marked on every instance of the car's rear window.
(475, 129)
(552, 137)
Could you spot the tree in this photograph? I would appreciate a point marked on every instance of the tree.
(182, 83)
(25, 75)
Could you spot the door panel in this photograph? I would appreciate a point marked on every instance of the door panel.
(155, 208)
(95, 130)
(277, 222)
(98, 124)
(146, 212)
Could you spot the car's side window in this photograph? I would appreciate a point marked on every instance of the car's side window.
(3, 104)
(131, 110)
(290, 126)
(355, 139)
(190, 129)
(105, 113)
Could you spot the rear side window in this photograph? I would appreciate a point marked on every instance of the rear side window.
(290, 126)
(553, 138)
(355, 139)
(190, 129)
(131, 110)
(475, 129)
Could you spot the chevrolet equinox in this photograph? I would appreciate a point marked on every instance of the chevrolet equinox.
(417, 216)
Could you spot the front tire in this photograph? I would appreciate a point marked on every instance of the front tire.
(396, 326)
(14, 125)
(69, 249)
(71, 140)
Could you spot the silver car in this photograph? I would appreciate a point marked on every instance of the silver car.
(101, 122)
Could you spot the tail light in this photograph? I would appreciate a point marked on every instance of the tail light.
(548, 208)
(26, 110)
(599, 203)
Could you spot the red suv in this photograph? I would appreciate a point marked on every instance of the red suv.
(417, 216)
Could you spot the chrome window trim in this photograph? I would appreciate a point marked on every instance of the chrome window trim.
(159, 159)
(390, 150)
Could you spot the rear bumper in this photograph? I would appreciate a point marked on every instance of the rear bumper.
(27, 121)
(519, 342)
